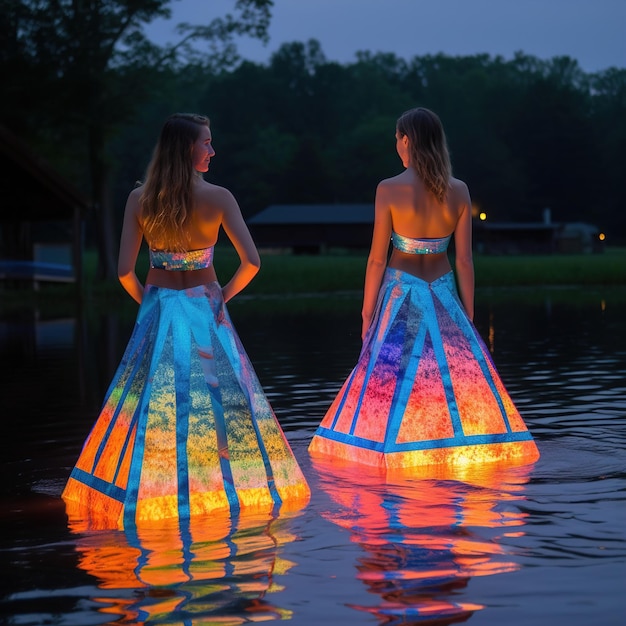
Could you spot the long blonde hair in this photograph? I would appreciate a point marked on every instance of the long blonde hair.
(167, 196)
(428, 149)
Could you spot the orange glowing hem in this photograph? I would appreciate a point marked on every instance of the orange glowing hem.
(83, 502)
(458, 456)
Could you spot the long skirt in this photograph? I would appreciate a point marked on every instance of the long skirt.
(425, 390)
(185, 428)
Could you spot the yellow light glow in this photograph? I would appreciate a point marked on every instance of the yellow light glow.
(483, 216)
(601, 236)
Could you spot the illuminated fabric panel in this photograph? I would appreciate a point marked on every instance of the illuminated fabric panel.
(185, 428)
(425, 390)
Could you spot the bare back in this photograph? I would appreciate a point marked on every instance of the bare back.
(415, 212)
(215, 208)
(404, 206)
(203, 230)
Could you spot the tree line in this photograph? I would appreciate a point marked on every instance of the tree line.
(524, 133)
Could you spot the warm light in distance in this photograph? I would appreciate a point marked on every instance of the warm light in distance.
(483, 216)
(601, 236)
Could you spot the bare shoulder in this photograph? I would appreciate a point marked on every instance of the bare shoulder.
(459, 192)
(213, 196)
(389, 186)
(398, 179)
(458, 186)
(135, 194)
(133, 202)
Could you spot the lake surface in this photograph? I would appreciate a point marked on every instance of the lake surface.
(543, 544)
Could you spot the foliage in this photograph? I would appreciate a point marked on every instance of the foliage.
(80, 70)
(525, 133)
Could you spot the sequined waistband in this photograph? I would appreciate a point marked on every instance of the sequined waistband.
(419, 246)
(181, 261)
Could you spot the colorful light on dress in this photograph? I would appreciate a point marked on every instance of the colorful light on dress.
(185, 428)
(425, 390)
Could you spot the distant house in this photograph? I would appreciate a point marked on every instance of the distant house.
(545, 237)
(313, 228)
(41, 222)
(516, 237)
(576, 237)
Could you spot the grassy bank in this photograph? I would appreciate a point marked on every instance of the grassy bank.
(608, 268)
(283, 274)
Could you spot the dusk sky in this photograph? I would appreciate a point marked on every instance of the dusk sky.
(590, 31)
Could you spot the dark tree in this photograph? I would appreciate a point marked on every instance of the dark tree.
(79, 69)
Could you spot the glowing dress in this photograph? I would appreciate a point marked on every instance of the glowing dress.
(185, 427)
(425, 390)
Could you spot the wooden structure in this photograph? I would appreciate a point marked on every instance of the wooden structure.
(313, 228)
(41, 222)
(515, 237)
(536, 238)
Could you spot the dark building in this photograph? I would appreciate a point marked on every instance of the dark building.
(313, 228)
(41, 222)
(545, 237)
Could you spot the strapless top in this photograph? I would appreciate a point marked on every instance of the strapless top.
(181, 261)
(419, 246)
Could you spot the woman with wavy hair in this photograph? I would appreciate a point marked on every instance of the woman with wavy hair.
(185, 427)
(425, 390)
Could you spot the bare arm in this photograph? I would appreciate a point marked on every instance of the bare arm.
(237, 231)
(464, 259)
(130, 244)
(377, 259)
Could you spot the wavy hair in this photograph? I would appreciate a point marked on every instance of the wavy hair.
(167, 196)
(428, 149)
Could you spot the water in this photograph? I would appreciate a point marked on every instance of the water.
(536, 545)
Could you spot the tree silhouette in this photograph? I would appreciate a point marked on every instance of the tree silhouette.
(80, 69)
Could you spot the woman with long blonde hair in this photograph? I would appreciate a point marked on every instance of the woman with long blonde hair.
(185, 428)
(425, 390)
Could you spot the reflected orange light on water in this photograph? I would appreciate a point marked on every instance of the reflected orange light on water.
(212, 570)
(425, 534)
(491, 338)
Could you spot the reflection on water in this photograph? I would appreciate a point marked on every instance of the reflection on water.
(540, 545)
(423, 538)
(212, 570)
(420, 539)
